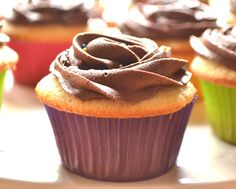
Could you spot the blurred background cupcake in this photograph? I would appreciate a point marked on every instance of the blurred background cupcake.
(215, 65)
(170, 23)
(40, 29)
(8, 58)
(118, 105)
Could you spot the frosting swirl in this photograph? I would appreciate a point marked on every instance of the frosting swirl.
(49, 12)
(163, 19)
(218, 45)
(121, 68)
(232, 4)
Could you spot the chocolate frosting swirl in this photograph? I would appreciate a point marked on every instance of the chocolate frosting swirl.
(3, 37)
(163, 19)
(233, 6)
(49, 12)
(121, 68)
(218, 45)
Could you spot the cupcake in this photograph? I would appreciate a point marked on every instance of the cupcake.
(39, 31)
(170, 23)
(216, 68)
(8, 59)
(118, 105)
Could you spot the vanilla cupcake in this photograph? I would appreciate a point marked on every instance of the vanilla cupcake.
(8, 59)
(216, 68)
(39, 31)
(118, 105)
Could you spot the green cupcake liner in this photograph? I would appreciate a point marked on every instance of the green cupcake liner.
(220, 104)
(2, 77)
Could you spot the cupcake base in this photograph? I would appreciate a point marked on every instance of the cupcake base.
(221, 109)
(116, 149)
(2, 78)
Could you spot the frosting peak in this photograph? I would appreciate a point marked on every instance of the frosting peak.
(49, 12)
(169, 19)
(218, 45)
(122, 68)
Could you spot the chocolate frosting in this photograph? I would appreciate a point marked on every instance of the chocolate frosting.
(233, 6)
(49, 12)
(121, 68)
(218, 45)
(166, 19)
(3, 37)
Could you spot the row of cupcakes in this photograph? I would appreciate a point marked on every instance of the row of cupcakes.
(119, 105)
(47, 27)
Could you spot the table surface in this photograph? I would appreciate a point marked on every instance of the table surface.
(29, 157)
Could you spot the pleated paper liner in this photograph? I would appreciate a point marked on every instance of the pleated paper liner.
(220, 104)
(35, 59)
(119, 149)
(2, 78)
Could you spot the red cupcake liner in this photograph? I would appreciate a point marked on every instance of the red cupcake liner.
(35, 59)
(119, 149)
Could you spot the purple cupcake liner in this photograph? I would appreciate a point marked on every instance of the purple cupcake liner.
(119, 149)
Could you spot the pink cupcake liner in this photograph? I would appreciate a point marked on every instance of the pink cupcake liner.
(35, 59)
(119, 149)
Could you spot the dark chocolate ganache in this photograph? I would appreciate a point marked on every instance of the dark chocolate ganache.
(121, 68)
(165, 19)
(233, 6)
(49, 12)
(3, 37)
(218, 45)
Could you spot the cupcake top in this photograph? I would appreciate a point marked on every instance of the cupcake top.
(175, 19)
(120, 77)
(8, 57)
(233, 6)
(218, 46)
(71, 12)
(121, 68)
(116, 76)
